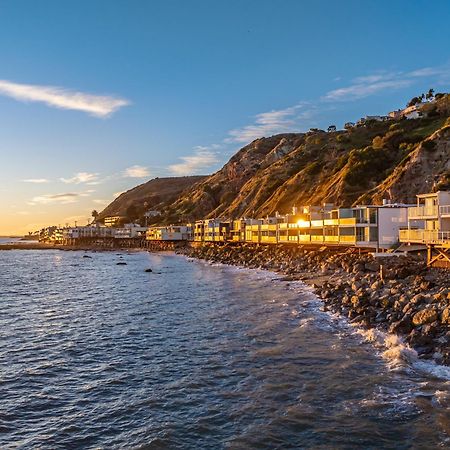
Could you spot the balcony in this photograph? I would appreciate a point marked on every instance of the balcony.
(317, 223)
(425, 236)
(332, 239)
(421, 212)
(444, 211)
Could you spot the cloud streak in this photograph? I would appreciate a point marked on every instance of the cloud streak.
(198, 163)
(368, 85)
(36, 180)
(63, 199)
(82, 177)
(57, 97)
(70, 197)
(273, 122)
(136, 172)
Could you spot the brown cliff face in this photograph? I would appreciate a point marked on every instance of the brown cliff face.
(396, 159)
(154, 194)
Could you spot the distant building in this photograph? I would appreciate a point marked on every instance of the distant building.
(114, 221)
(411, 112)
(366, 119)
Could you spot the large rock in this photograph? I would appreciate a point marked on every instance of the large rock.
(445, 316)
(403, 325)
(372, 266)
(424, 316)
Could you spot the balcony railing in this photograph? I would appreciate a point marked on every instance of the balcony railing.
(347, 221)
(347, 239)
(444, 210)
(423, 211)
(425, 236)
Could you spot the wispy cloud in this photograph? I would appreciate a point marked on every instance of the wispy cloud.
(199, 163)
(62, 98)
(361, 90)
(136, 172)
(70, 197)
(82, 177)
(36, 180)
(64, 198)
(371, 84)
(273, 122)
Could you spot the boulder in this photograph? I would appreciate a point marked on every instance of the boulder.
(445, 316)
(425, 316)
(372, 266)
(403, 326)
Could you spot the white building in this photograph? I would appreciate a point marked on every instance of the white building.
(170, 233)
(433, 214)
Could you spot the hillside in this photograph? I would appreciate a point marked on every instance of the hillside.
(394, 159)
(154, 194)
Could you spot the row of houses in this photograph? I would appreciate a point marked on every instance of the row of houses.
(377, 227)
(413, 227)
(74, 235)
(374, 227)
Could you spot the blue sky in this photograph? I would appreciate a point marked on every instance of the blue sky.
(99, 96)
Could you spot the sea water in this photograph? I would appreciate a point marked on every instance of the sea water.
(197, 356)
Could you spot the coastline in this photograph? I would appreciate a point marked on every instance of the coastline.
(395, 295)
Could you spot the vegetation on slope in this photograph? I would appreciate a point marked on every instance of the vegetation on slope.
(394, 159)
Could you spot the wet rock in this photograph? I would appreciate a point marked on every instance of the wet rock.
(402, 326)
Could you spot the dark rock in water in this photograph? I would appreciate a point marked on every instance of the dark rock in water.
(148, 270)
(404, 325)
(87, 256)
(122, 263)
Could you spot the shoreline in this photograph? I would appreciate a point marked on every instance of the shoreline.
(395, 295)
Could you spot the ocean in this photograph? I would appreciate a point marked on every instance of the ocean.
(197, 356)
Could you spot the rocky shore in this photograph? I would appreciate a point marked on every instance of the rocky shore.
(397, 294)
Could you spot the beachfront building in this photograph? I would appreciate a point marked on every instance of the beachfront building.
(238, 229)
(361, 226)
(129, 231)
(253, 231)
(433, 213)
(269, 229)
(170, 233)
(217, 230)
(199, 231)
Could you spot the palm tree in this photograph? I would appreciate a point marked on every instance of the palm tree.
(94, 214)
